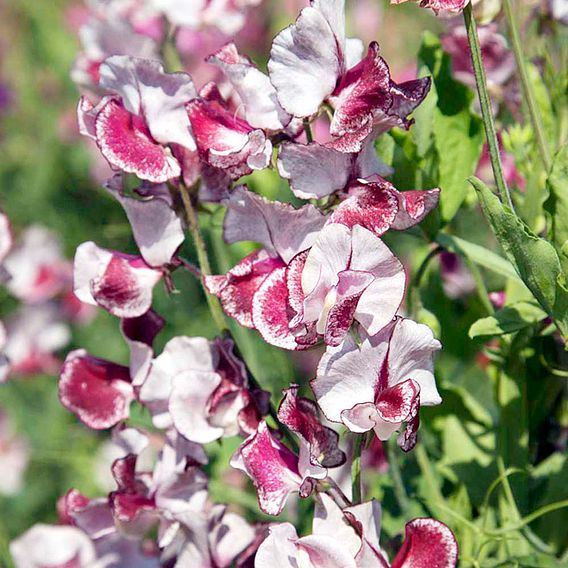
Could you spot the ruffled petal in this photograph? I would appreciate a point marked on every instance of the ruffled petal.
(272, 467)
(97, 391)
(301, 416)
(428, 544)
(126, 143)
(280, 227)
(120, 283)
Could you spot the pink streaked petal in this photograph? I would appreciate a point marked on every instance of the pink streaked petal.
(395, 404)
(294, 284)
(381, 300)
(301, 416)
(98, 391)
(237, 288)
(313, 170)
(372, 205)
(307, 58)
(139, 334)
(120, 283)
(272, 467)
(280, 227)
(362, 365)
(428, 544)
(271, 312)
(188, 405)
(362, 90)
(258, 96)
(157, 97)
(226, 141)
(127, 145)
(414, 206)
(157, 230)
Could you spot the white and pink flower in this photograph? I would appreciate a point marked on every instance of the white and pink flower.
(380, 384)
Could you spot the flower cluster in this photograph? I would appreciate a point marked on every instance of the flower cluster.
(323, 275)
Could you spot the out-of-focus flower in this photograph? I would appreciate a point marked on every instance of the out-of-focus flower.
(34, 334)
(38, 271)
(512, 175)
(457, 280)
(498, 59)
(14, 457)
(382, 383)
(444, 6)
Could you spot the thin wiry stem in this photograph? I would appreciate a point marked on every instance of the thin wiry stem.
(485, 103)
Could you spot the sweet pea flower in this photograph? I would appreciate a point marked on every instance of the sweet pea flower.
(349, 538)
(225, 141)
(32, 335)
(312, 62)
(14, 457)
(382, 383)
(120, 283)
(498, 59)
(137, 126)
(201, 389)
(350, 275)
(38, 271)
(97, 391)
(6, 243)
(275, 470)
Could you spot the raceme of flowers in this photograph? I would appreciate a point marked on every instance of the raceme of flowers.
(322, 276)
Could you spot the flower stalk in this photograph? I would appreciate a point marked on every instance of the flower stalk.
(485, 103)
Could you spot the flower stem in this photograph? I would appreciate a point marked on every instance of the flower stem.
(204, 265)
(485, 103)
(399, 489)
(356, 469)
(308, 131)
(528, 92)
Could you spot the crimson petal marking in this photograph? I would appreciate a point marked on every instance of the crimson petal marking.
(453, 6)
(372, 205)
(271, 312)
(237, 288)
(428, 543)
(125, 287)
(272, 467)
(301, 416)
(294, 285)
(124, 140)
(395, 404)
(97, 391)
(413, 206)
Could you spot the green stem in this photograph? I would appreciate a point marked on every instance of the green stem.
(204, 265)
(528, 93)
(485, 103)
(308, 131)
(399, 489)
(356, 469)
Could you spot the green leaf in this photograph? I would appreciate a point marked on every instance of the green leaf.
(557, 204)
(534, 259)
(478, 254)
(507, 320)
(458, 132)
